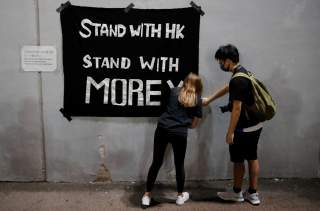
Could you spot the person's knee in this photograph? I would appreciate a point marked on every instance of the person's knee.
(238, 164)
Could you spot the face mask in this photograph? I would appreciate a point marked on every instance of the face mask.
(223, 68)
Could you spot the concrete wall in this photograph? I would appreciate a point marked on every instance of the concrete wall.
(278, 40)
(20, 125)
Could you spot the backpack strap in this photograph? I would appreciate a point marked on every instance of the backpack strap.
(247, 75)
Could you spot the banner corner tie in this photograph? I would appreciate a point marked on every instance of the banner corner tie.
(128, 8)
(63, 6)
(65, 114)
(198, 8)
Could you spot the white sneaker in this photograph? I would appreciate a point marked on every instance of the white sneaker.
(181, 199)
(231, 196)
(145, 202)
(252, 198)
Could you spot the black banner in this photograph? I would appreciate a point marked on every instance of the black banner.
(124, 64)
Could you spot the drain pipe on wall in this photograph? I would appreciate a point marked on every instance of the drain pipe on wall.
(43, 141)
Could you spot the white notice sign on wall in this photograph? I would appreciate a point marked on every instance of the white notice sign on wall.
(39, 58)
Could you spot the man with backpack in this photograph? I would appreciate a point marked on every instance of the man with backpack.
(244, 127)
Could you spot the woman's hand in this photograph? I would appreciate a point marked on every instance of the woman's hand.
(229, 138)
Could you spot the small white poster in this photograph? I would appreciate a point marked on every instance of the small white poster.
(39, 58)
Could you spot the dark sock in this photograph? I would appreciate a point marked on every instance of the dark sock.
(251, 190)
(236, 190)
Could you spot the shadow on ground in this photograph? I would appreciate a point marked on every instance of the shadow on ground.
(166, 194)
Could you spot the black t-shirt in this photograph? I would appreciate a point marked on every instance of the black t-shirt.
(240, 88)
(176, 119)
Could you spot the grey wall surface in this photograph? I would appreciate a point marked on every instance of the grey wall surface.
(278, 41)
(20, 125)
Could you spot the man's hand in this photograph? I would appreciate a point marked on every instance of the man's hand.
(229, 138)
(235, 114)
(195, 122)
(219, 93)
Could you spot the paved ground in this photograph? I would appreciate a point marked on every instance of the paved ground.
(292, 194)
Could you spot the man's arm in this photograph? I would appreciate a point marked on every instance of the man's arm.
(235, 114)
(219, 93)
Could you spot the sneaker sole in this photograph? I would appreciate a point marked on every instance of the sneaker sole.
(181, 203)
(254, 204)
(184, 201)
(227, 199)
(235, 200)
(144, 206)
(152, 204)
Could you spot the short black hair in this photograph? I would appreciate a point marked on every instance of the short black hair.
(227, 52)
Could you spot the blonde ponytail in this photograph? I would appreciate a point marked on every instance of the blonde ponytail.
(192, 87)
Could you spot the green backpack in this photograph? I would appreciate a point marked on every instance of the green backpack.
(264, 107)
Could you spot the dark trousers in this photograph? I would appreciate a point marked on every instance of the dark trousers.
(179, 146)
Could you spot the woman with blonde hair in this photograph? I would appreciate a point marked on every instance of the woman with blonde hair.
(183, 111)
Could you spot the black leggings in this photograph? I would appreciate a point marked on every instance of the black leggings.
(179, 146)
